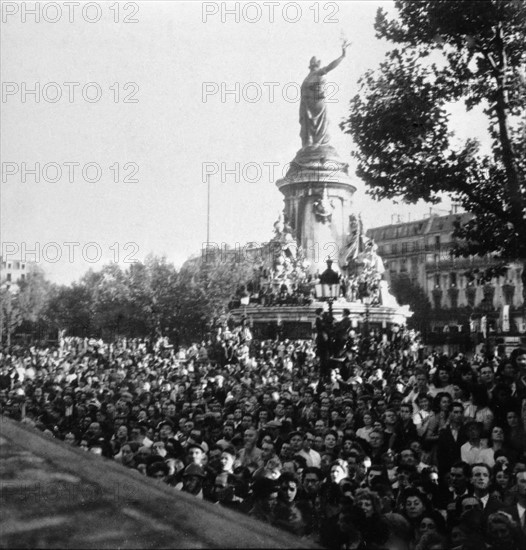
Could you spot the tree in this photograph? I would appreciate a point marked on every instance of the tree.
(33, 294)
(206, 286)
(470, 51)
(153, 287)
(10, 315)
(70, 308)
(147, 299)
(412, 294)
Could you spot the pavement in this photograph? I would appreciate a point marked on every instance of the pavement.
(56, 496)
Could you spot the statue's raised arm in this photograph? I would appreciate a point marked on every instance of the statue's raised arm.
(337, 61)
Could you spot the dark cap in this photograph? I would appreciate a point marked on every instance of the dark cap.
(193, 470)
(193, 445)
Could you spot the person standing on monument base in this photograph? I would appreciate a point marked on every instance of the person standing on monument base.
(323, 346)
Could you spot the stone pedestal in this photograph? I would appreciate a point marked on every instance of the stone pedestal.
(318, 193)
(298, 322)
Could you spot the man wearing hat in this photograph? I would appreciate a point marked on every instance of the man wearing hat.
(195, 454)
(193, 478)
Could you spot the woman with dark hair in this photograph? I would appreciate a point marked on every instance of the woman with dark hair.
(462, 393)
(331, 442)
(286, 513)
(441, 381)
(466, 375)
(497, 438)
(502, 483)
(413, 506)
(374, 528)
(438, 418)
(430, 522)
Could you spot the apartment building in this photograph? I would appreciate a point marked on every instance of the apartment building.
(462, 310)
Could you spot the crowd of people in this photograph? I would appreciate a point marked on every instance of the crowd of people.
(395, 450)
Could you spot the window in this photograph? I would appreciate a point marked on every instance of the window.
(437, 242)
(453, 279)
(8, 266)
(404, 248)
(23, 266)
(437, 280)
(23, 276)
(394, 248)
(403, 266)
(8, 277)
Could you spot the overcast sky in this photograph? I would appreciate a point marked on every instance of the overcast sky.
(154, 125)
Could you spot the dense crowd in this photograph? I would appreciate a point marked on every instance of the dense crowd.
(395, 450)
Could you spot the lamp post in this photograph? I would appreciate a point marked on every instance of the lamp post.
(329, 286)
(328, 289)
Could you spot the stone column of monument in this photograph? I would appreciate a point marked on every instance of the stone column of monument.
(317, 188)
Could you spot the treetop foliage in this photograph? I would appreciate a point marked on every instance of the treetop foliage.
(148, 298)
(446, 52)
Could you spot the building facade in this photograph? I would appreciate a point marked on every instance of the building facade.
(12, 272)
(463, 312)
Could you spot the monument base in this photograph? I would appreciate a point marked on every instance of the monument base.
(298, 322)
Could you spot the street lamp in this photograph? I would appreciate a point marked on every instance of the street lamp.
(329, 286)
(328, 289)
